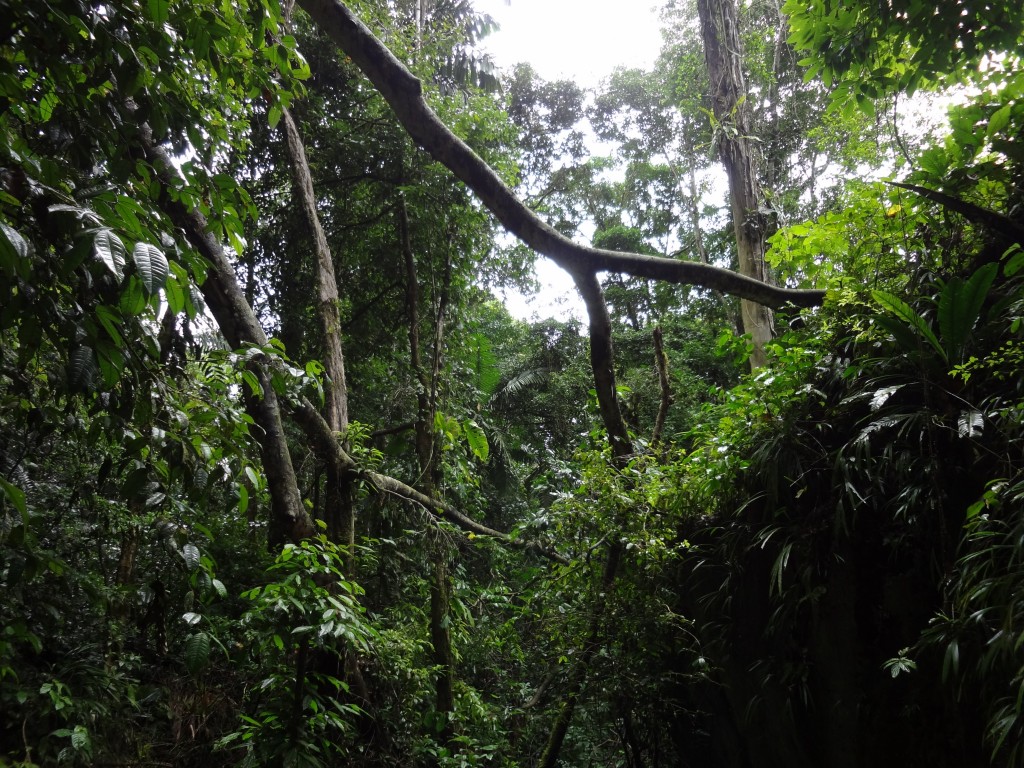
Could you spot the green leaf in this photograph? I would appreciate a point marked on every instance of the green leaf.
(190, 553)
(999, 120)
(197, 652)
(910, 318)
(175, 295)
(13, 252)
(191, 618)
(959, 306)
(110, 321)
(274, 115)
(152, 266)
(16, 496)
(477, 439)
(47, 104)
(219, 588)
(82, 369)
(80, 739)
(109, 249)
(133, 297)
(157, 10)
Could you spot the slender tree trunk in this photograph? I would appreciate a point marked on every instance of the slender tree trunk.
(661, 364)
(693, 204)
(426, 453)
(723, 55)
(338, 497)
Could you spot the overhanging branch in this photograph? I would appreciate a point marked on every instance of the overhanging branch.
(404, 93)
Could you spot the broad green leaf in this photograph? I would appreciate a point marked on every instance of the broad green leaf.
(477, 439)
(80, 738)
(1014, 258)
(175, 295)
(999, 120)
(111, 363)
(152, 266)
(157, 10)
(191, 618)
(82, 368)
(110, 321)
(197, 652)
(909, 317)
(959, 306)
(16, 496)
(190, 553)
(47, 104)
(255, 388)
(109, 249)
(133, 297)
(274, 115)
(13, 252)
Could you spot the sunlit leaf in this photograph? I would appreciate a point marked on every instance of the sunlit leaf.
(190, 553)
(152, 266)
(477, 439)
(109, 249)
(909, 317)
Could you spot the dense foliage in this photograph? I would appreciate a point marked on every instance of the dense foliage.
(513, 550)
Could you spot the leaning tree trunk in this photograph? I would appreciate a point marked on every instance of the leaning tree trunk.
(723, 54)
(239, 325)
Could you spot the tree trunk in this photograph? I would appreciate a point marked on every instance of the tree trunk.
(238, 323)
(724, 58)
(339, 511)
(427, 456)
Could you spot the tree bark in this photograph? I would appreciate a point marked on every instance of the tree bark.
(237, 322)
(724, 58)
(339, 511)
(661, 364)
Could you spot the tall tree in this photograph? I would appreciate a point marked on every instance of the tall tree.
(723, 52)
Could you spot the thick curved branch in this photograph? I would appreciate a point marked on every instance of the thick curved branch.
(602, 363)
(403, 91)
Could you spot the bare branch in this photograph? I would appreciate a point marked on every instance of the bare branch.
(326, 444)
(661, 362)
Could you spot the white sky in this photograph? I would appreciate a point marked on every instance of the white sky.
(581, 40)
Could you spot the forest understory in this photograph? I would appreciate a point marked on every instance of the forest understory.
(283, 483)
